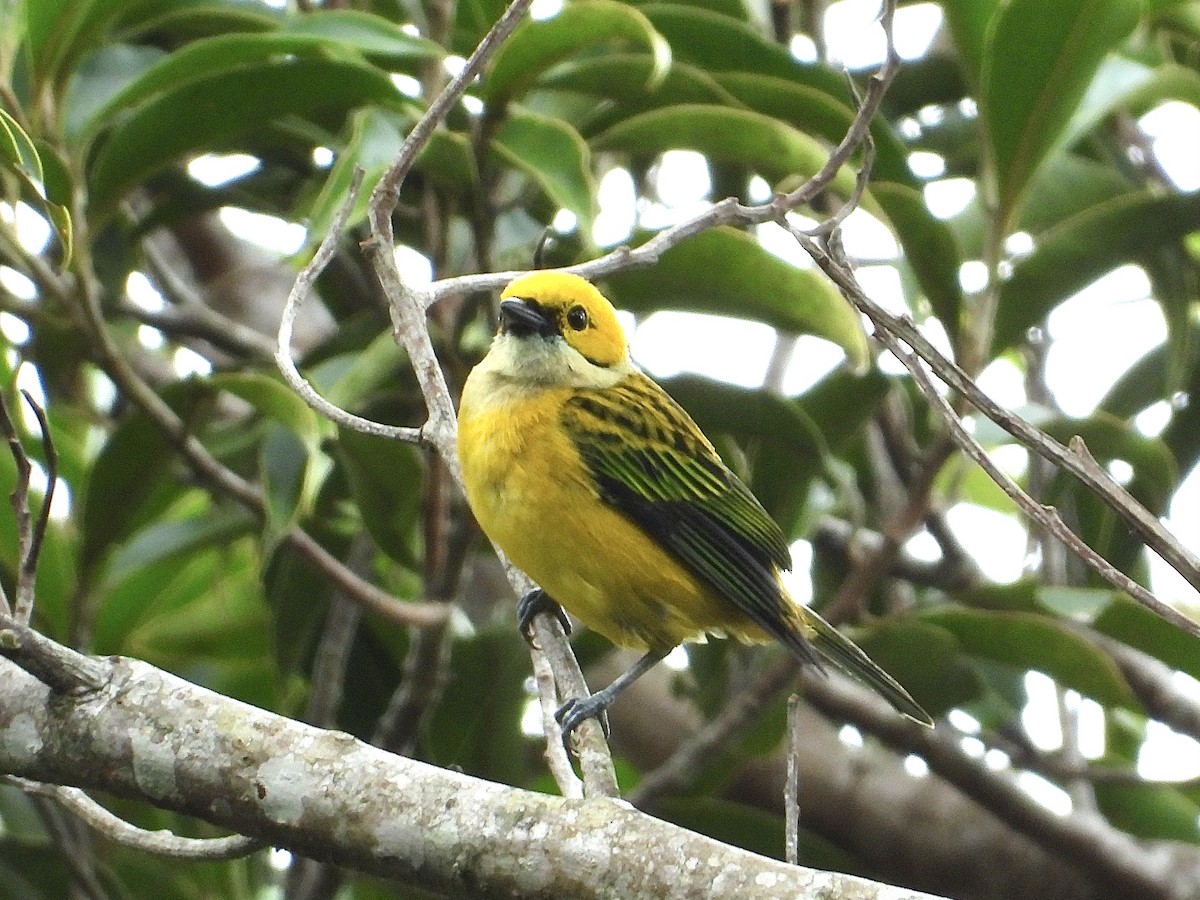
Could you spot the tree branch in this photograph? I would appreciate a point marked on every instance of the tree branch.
(1111, 856)
(149, 735)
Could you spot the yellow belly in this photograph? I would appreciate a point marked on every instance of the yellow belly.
(531, 495)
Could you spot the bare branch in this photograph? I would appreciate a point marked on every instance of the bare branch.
(892, 330)
(33, 550)
(160, 843)
(323, 793)
(283, 353)
(702, 748)
(791, 786)
(61, 669)
(1109, 855)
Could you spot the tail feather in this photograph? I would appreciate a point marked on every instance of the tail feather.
(843, 652)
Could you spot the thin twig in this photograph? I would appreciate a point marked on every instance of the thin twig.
(19, 498)
(60, 668)
(724, 212)
(791, 787)
(895, 331)
(283, 352)
(30, 532)
(548, 703)
(701, 749)
(31, 552)
(160, 843)
(1089, 841)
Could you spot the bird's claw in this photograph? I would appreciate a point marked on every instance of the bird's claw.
(576, 710)
(538, 601)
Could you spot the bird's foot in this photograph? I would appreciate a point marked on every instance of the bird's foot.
(538, 601)
(575, 711)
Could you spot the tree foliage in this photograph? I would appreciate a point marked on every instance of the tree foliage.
(208, 522)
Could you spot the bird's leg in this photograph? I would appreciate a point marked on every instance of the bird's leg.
(538, 601)
(575, 710)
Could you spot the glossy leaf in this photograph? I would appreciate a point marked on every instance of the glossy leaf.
(1040, 59)
(968, 22)
(1124, 84)
(939, 677)
(1155, 473)
(1080, 249)
(126, 476)
(552, 155)
(367, 33)
(718, 43)
(386, 480)
(816, 111)
(762, 144)
(208, 112)
(1133, 624)
(537, 45)
(21, 157)
(930, 248)
(284, 466)
(727, 272)
(273, 399)
(623, 77)
(1030, 641)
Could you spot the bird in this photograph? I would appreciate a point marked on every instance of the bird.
(602, 489)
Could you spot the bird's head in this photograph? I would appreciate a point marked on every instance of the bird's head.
(558, 327)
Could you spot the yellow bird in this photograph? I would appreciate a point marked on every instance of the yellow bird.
(606, 493)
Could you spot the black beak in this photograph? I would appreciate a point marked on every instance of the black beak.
(525, 318)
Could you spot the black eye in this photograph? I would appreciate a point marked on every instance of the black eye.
(577, 318)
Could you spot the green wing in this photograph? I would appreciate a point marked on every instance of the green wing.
(649, 460)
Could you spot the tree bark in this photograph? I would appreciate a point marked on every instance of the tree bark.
(149, 735)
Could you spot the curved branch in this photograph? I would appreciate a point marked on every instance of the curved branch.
(160, 843)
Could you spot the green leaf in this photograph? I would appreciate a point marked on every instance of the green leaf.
(1031, 641)
(537, 45)
(1124, 84)
(937, 677)
(17, 152)
(167, 540)
(102, 79)
(273, 399)
(718, 43)
(762, 144)
(21, 157)
(930, 248)
(210, 112)
(1039, 61)
(284, 466)
(1156, 474)
(553, 155)
(1080, 249)
(127, 475)
(814, 110)
(386, 480)
(746, 281)
(1154, 812)
(623, 77)
(61, 30)
(364, 32)
(968, 22)
(1133, 624)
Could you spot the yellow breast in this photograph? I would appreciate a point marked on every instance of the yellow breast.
(531, 494)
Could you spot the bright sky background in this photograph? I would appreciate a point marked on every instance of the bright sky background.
(1095, 337)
